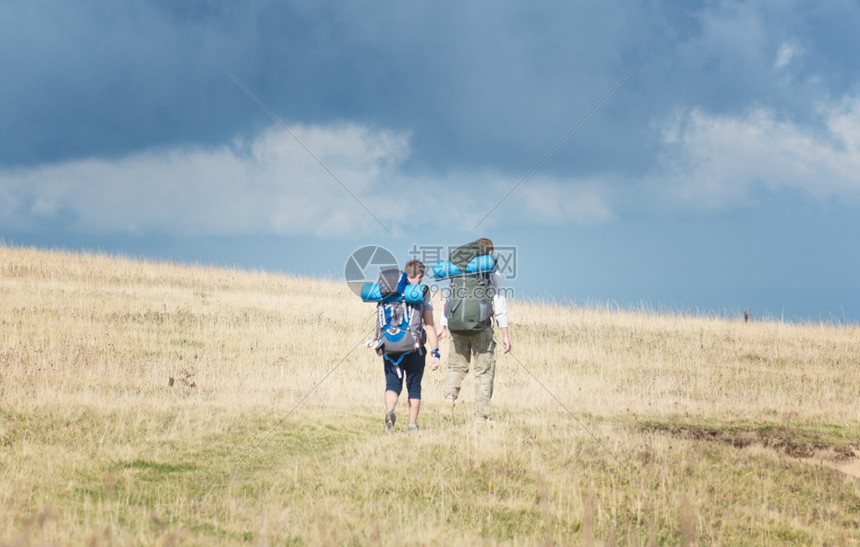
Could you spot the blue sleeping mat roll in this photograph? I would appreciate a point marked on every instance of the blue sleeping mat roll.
(445, 269)
(412, 294)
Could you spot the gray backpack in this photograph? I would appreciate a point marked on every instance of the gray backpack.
(470, 307)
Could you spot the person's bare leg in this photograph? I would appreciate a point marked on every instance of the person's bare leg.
(391, 400)
(414, 407)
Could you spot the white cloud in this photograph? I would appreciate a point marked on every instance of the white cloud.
(267, 185)
(271, 185)
(465, 199)
(719, 161)
(787, 52)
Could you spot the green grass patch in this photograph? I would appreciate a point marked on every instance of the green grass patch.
(158, 468)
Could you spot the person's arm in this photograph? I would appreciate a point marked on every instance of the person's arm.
(500, 311)
(443, 319)
(430, 329)
(506, 340)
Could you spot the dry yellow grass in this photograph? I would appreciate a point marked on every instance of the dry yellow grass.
(145, 402)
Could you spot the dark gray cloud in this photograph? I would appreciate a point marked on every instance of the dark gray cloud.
(476, 85)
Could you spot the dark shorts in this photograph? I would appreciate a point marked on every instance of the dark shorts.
(411, 369)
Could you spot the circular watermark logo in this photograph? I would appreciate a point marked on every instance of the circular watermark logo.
(364, 264)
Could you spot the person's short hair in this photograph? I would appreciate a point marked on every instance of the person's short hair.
(414, 268)
(485, 244)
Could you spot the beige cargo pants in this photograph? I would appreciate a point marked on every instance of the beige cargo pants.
(463, 346)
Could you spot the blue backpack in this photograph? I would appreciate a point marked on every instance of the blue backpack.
(399, 324)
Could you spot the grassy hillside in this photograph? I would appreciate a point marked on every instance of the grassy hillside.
(151, 403)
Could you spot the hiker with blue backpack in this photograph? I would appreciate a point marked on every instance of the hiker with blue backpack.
(404, 324)
(473, 301)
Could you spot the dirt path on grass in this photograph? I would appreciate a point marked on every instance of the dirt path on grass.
(807, 447)
(826, 458)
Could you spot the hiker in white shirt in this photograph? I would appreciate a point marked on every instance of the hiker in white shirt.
(480, 344)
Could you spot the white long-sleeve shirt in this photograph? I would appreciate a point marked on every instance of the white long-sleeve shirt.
(500, 306)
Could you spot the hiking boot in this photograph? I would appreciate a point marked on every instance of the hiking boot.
(413, 428)
(484, 420)
(448, 404)
(390, 418)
